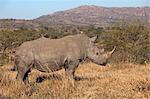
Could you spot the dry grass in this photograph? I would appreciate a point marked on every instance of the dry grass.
(117, 81)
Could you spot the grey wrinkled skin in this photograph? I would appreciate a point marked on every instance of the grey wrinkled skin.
(49, 55)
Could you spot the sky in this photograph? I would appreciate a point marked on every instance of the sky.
(31, 9)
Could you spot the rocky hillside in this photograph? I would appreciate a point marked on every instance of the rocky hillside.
(95, 15)
(83, 15)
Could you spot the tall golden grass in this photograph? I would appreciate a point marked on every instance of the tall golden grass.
(115, 81)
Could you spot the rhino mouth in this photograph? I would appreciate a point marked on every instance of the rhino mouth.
(100, 63)
(103, 64)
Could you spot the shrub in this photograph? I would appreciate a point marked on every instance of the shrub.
(132, 41)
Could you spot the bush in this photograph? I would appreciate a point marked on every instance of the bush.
(132, 41)
(10, 39)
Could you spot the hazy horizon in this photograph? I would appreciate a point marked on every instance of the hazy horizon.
(31, 9)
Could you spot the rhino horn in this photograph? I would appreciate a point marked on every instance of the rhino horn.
(111, 52)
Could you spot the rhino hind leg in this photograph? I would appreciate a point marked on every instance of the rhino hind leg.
(22, 76)
(23, 71)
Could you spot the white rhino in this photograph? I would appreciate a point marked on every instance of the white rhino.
(48, 55)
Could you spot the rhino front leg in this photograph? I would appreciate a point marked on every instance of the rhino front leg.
(70, 70)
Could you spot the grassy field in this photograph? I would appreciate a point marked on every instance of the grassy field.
(116, 81)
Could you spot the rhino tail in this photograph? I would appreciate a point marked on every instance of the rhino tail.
(15, 67)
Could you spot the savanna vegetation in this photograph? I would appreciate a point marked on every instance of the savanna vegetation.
(116, 81)
(126, 77)
(131, 39)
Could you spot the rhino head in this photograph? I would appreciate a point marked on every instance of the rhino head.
(96, 55)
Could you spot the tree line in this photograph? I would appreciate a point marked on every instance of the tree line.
(132, 40)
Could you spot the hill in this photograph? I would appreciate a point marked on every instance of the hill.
(82, 16)
(95, 15)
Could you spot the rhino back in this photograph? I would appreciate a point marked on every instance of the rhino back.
(68, 47)
(44, 49)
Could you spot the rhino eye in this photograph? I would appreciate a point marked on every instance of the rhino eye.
(97, 53)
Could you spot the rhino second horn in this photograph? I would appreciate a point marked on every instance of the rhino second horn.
(93, 39)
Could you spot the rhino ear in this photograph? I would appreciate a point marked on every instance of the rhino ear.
(102, 50)
(93, 39)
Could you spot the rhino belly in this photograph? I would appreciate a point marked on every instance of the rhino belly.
(48, 66)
